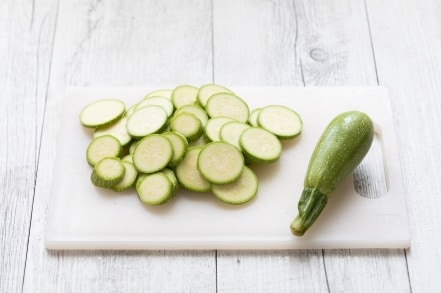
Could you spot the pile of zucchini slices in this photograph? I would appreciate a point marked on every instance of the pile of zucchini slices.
(202, 139)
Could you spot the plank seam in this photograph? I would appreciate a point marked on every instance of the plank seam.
(408, 272)
(38, 151)
(371, 40)
(326, 272)
(296, 55)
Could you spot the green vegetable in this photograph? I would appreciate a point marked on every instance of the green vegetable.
(340, 149)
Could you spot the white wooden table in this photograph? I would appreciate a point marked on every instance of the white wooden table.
(47, 45)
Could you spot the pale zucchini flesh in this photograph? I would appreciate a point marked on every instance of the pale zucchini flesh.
(117, 129)
(152, 153)
(147, 120)
(163, 102)
(227, 105)
(207, 90)
(260, 146)
(188, 125)
(102, 112)
(179, 144)
(282, 121)
(220, 162)
(107, 173)
(232, 131)
(188, 173)
(155, 189)
(195, 110)
(213, 127)
(184, 95)
(129, 177)
(240, 191)
(102, 147)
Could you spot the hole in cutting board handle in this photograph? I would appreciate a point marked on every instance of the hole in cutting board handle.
(370, 177)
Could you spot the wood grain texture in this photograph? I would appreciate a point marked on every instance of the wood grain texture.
(127, 44)
(26, 39)
(312, 43)
(408, 62)
(335, 49)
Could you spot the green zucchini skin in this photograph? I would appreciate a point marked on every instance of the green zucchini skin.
(341, 148)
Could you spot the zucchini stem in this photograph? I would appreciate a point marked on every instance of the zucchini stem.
(310, 205)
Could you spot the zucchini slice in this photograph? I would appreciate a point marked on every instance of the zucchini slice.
(240, 191)
(207, 90)
(129, 178)
(253, 117)
(163, 102)
(166, 93)
(155, 189)
(152, 153)
(214, 126)
(188, 125)
(102, 112)
(117, 129)
(227, 105)
(282, 121)
(232, 131)
(188, 174)
(107, 173)
(102, 147)
(260, 146)
(220, 162)
(146, 120)
(184, 95)
(179, 144)
(195, 110)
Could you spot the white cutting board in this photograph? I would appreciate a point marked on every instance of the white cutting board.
(85, 217)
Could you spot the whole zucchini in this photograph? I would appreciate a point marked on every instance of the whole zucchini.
(340, 149)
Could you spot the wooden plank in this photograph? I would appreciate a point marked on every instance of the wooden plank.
(408, 62)
(337, 50)
(26, 39)
(259, 48)
(120, 43)
(300, 43)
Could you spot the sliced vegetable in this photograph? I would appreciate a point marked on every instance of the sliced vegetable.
(227, 105)
(214, 126)
(340, 149)
(282, 121)
(179, 144)
(147, 120)
(152, 153)
(166, 93)
(220, 162)
(108, 172)
(102, 112)
(232, 131)
(198, 138)
(240, 191)
(260, 146)
(207, 90)
(102, 147)
(163, 102)
(117, 129)
(188, 125)
(155, 189)
(184, 95)
(188, 174)
(253, 117)
(129, 178)
(195, 110)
